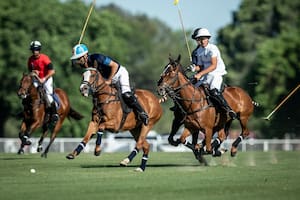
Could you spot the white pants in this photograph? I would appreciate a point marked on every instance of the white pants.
(213, 80)
(48, 87)
(122, 76)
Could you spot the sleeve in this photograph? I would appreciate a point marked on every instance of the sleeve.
(214, 52)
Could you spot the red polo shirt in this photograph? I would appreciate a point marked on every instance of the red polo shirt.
(40, 64)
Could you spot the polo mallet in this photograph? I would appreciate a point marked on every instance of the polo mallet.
(86, 21)
(282, 102)
(176, 3)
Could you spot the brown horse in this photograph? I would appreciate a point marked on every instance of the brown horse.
(198, 113)
(108, 115)
(35, 115)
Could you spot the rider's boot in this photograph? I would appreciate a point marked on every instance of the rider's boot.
(216, 95)
(132, 102)
(54, 114)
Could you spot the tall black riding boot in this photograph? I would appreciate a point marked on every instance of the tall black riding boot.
(216, 95)
(54, 115)
(132, 102)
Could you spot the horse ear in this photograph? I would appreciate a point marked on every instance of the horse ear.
(171, 59)
(178, 58)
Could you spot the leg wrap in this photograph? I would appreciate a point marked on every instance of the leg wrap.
(144, 162)
(216, 143)
(237, 141)
(133, 154)
(80, 147)
(99, 138)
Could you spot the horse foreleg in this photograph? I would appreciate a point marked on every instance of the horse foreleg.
(97, 151)
(146, 149)
(92, 129)
(217, 143)
(208, 138)
(44, 134)
(177, 122)
(24, 136)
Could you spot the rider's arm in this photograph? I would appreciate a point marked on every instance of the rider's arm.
(210, 68)
(114, 68)
(50, 73)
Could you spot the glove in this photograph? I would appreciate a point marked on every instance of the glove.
(191, 67)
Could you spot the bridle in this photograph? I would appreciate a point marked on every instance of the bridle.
(97, 90)
(93, 84)
(174, 92)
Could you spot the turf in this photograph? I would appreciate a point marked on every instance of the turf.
(250, 175)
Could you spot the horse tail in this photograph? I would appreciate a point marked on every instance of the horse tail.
(74, 114)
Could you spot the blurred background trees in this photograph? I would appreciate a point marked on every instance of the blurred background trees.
(261, 48)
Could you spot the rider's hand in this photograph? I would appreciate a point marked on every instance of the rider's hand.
(108, 82)
(42, 80)
(198, 76)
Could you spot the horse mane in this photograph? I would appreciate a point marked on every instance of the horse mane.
(178, 64)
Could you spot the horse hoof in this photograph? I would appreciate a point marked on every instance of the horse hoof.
(139, 170)
(223, 150)
(125, 162)
(97, 153)
(70, 156)
(233, 152)
(21, 151)
(44, 155)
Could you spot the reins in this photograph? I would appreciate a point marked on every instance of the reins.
(173, 92)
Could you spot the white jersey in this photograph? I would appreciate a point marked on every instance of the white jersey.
(202, 57)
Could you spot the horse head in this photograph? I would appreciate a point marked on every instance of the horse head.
(169, 77)
(92, 81)
(25, 85)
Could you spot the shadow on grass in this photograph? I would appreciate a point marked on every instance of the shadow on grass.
(15, 158)
(134, 166)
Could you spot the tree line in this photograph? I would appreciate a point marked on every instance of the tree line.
(260, 47)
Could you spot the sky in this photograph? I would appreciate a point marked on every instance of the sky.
(210, 14)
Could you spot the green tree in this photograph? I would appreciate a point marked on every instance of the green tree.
(137, 42)
(262, 46)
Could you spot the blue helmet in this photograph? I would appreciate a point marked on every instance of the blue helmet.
(78, 51)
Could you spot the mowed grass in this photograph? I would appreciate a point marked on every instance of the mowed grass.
(250, 175)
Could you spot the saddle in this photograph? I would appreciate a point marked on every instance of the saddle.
(125, 108)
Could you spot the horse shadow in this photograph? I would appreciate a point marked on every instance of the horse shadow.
(134, 166)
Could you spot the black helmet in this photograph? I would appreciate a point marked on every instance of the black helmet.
(35, 46)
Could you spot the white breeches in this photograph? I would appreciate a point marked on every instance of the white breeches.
(48, 87)
(122, 76)
(214, 81)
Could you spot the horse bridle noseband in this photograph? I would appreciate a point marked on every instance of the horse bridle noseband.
(92, 85)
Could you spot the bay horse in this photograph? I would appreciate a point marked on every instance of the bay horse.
(108, 115)
(199, 113)
(34, 113)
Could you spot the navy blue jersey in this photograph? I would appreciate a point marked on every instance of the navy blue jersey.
(101, 62)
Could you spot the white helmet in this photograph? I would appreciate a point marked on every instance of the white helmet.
(35, 46)
(201, 32)
(78, 51)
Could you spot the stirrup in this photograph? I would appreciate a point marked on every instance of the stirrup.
(232, 114)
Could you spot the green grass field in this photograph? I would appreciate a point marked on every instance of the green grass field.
(251, 175)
